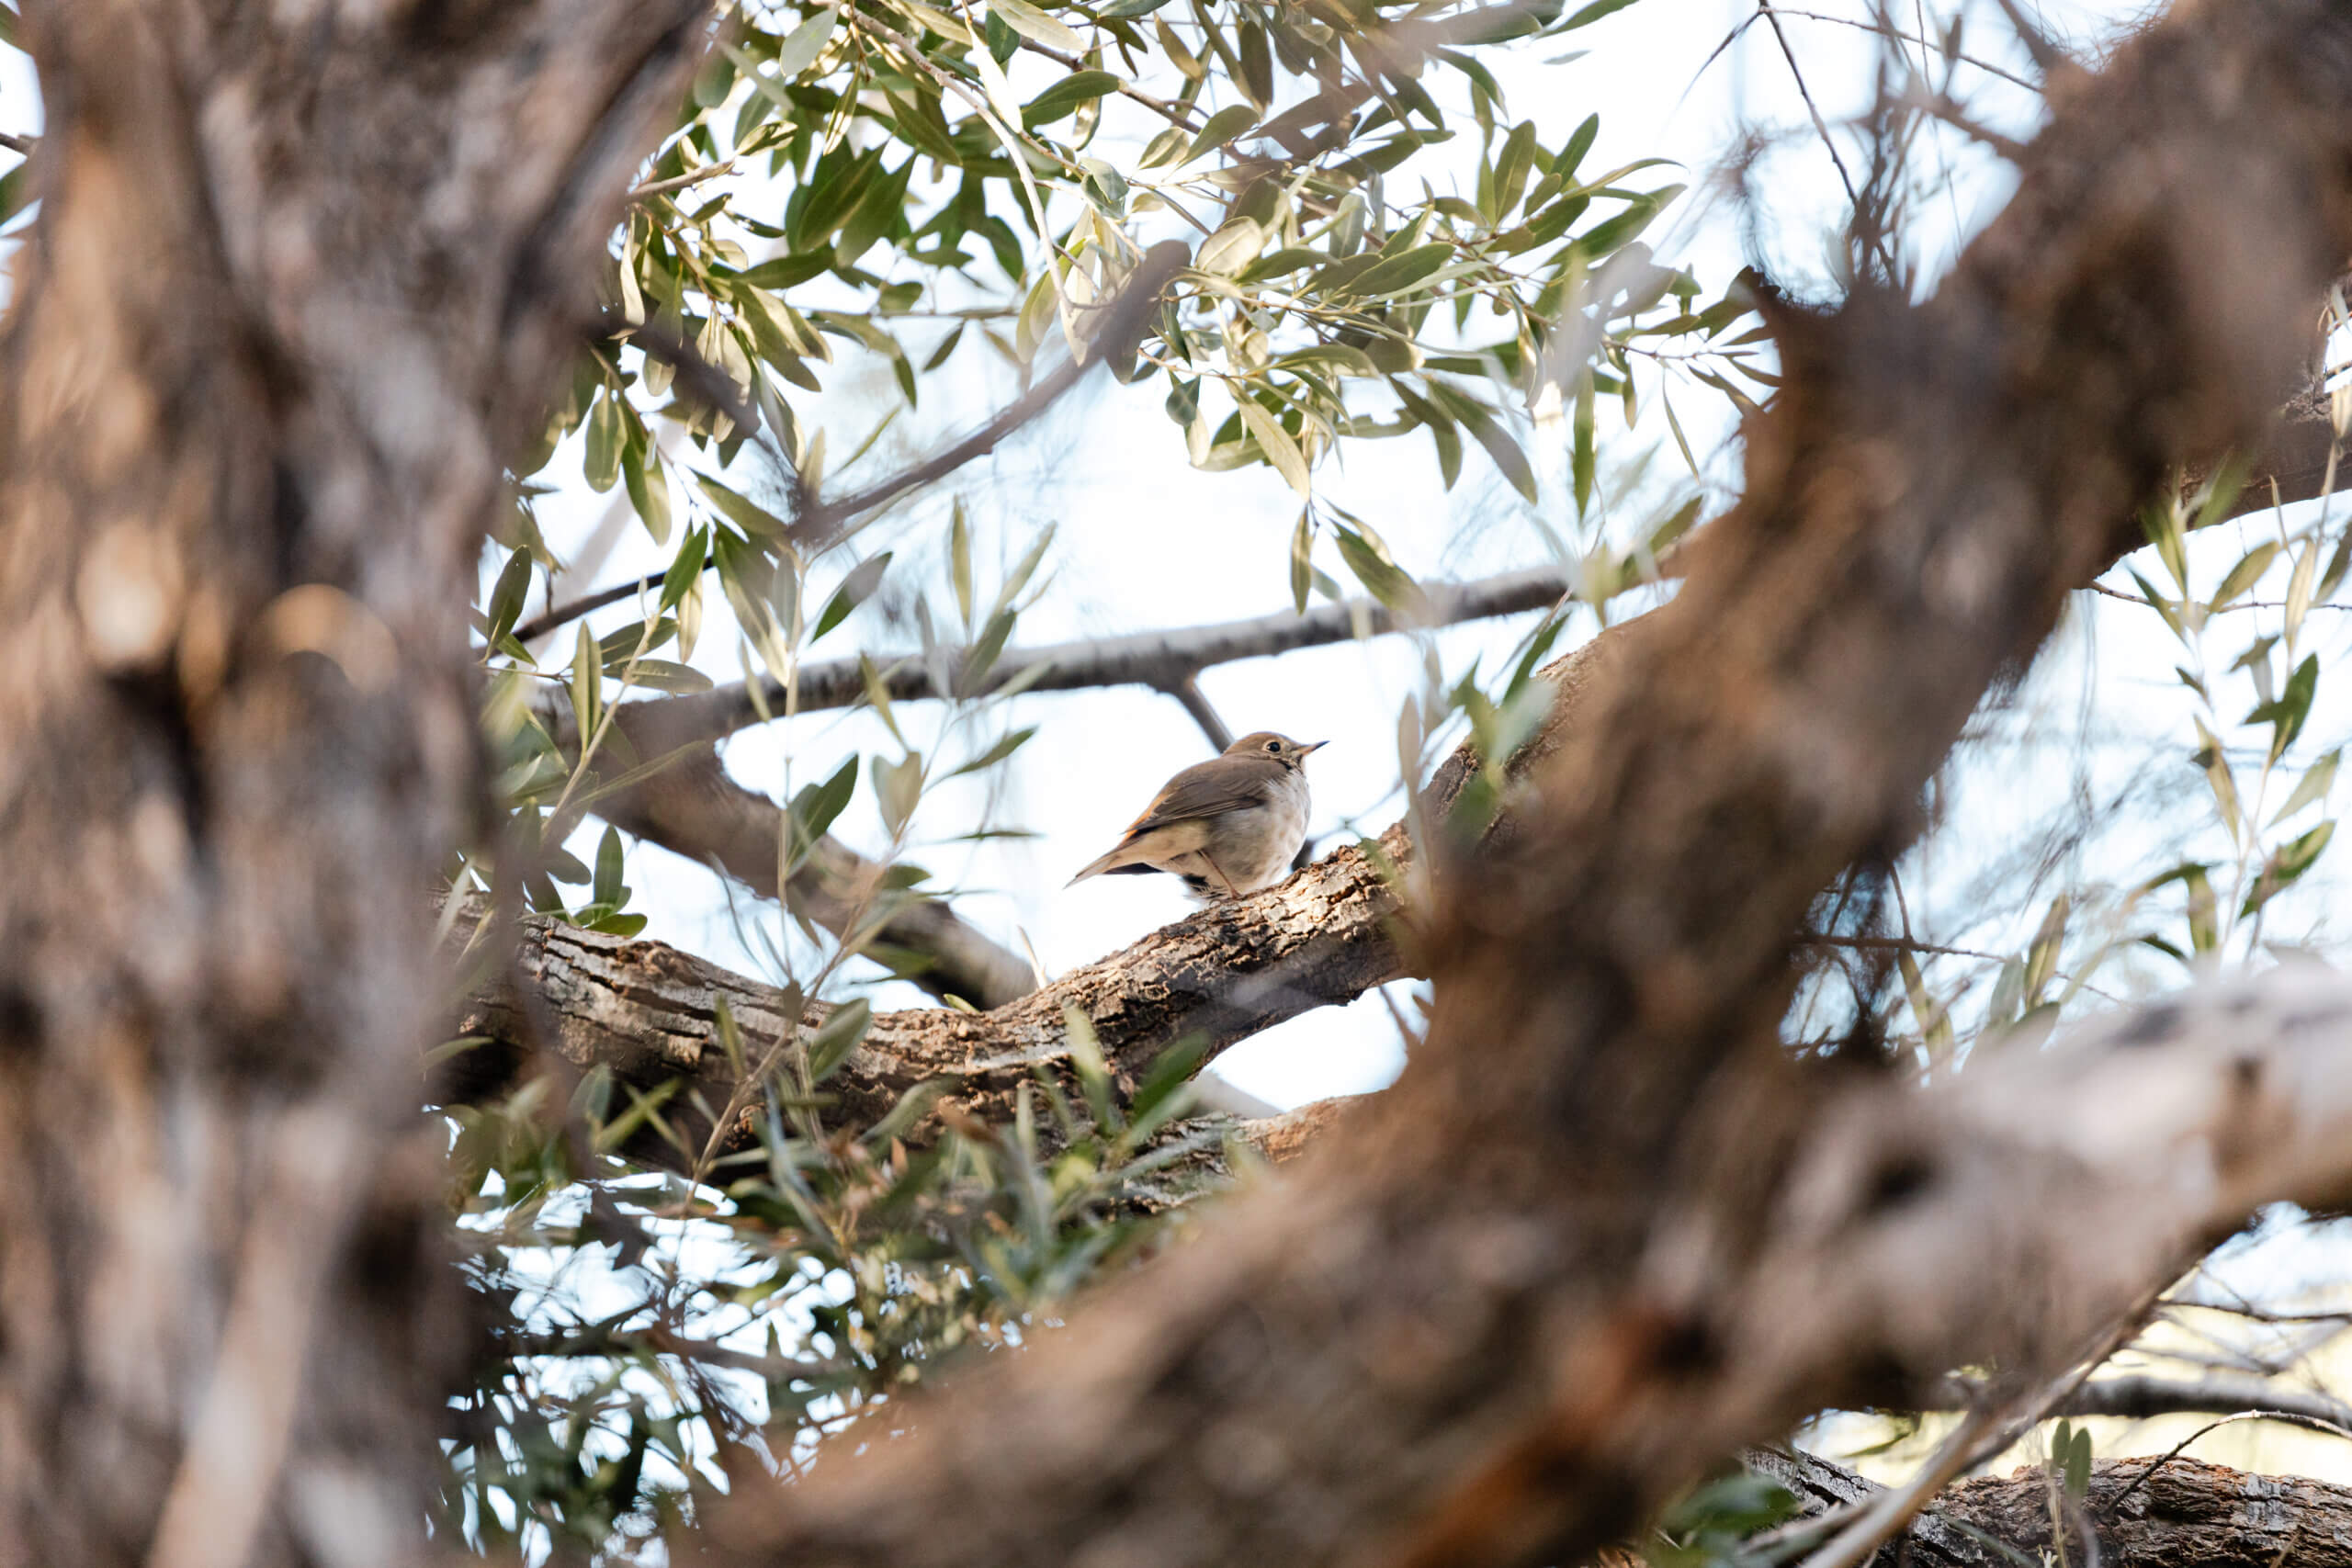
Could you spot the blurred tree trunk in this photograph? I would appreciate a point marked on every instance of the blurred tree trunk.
(301, 273)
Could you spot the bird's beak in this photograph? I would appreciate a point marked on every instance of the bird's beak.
(1313, 746)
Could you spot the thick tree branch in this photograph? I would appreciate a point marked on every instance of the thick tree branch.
(694, 808)
(645, 1012)
(2188, 1513)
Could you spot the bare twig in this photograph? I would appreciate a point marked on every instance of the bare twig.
(1163, 661)
(663, 188)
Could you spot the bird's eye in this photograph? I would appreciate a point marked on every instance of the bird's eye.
(1273, 745)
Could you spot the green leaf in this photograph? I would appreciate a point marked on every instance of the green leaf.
(648, 490)
(1383, 577)
(959, 562)
(741, 510)
(1220, 127)
(2042, 958)
(1065, 97)
(1234, 246)
(1401, 273)
(685, 567)
(814, 806)
(801, 47)
(854, 590)
(1581, 454)
(2287, 863)
(1036, 26)
(1592, 12)
(2210, 757)
(506, 598)
(2246, 573)
(1005, 746)
(2287, 713)
(586, 686)
(1275, 442)
(606, 888)
(898, 786)
(604, 465)
(667, 675)
(2314, 785)
(837, 1037)
(2078, 1464)
(1302, 566)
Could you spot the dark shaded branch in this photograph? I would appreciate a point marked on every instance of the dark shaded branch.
(2139, 1398)
(693, 808)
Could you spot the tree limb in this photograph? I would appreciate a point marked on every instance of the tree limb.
(1162, 660)
(693, 808)
(645, 1012)
(2137, 1398)
(2189, 1514)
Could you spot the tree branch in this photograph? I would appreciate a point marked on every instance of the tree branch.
(2139, 1398)
(1163, 661)
(2190, 1513)
(645, 1012)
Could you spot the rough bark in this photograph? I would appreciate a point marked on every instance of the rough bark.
(301, 275)
(1571, 1259)
(645, 1012)
(2182, 1514)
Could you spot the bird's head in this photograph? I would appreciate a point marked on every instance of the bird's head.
(1274, 748)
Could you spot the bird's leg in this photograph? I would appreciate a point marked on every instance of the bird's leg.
(1210, 861)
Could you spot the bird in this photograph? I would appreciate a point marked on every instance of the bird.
(1227, 826)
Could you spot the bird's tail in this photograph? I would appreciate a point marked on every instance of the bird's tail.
(1123, 855)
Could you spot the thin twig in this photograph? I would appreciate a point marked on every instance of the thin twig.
(1819, 124)
(2174, 1453)
(663, 188)
(1158, 660)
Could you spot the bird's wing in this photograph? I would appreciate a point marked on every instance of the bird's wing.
(1202, 790)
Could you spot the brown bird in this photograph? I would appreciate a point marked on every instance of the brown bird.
(1228, 826)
